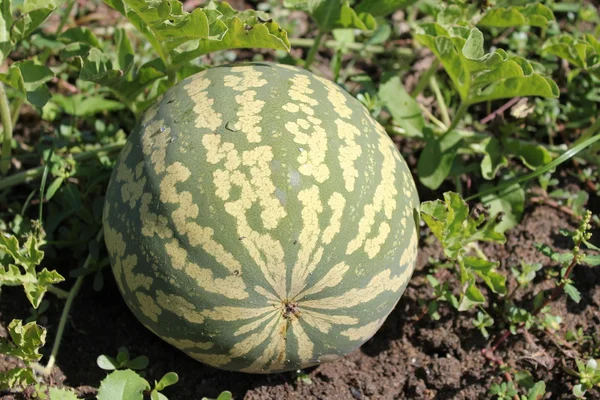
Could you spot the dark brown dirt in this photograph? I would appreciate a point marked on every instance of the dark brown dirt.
(404, 360)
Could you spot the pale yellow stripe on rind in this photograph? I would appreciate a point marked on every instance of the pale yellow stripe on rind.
(250, 78)
(273, 356)
(364, 332)
(217, 360)
(249, 117)
(256, 339)
(331, 279)
(323, 322)
(254, 324)
(382, 282)
(264, 292)
(384, 197)
(311, 159)
(206, 116)
(256, 187)
(148, 306)
(336, 97)
(336, 202)
(227, 313)
(305, 345)
(307, 240)
(179, 306)
(372, 246)
(186, 344)
(349, 153)
(132, 183)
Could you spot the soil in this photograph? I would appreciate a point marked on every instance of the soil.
(406, 359)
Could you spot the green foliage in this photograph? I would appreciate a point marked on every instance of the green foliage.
(588, 375)
(25, 343)
(19, 266)
(226, 395)
(122, 361)
(534, 14)
(333, 14)
(381, 8)
(582, 52)
(479, 76)
(458, 231)
(123, 384)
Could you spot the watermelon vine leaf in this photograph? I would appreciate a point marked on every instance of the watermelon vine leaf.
(404, 109)
(22, 270)
(333, 14)
(459, 230)
(381, 8)
(582, 52)
(24, 344)
(535, 14)
(480, 76)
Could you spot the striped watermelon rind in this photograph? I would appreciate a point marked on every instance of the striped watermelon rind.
(260, 220)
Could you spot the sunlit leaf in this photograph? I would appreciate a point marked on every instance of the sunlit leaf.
(333, 14)
(125, 384)
(402, 106)
(381, 8)
(534, 14)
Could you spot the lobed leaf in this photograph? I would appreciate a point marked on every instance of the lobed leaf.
(480, 76)
(29, 79)
(26, 341)
(334, 14)
(535, 14)
(381, 8)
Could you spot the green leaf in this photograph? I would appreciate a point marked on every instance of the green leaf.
(29, 22)
(435, 161)
(582, 52)
(79, 35)
(29, 79)
(17, 377)
(486, 270)
(403, 108)
(107, 363)
(226, 395)
(234, 30)
(494, 157)
(35, 291)
(32, 5)
(535, 14)
(140, 362)
(26, 341)
(5, 24)
(333, 14)
(61, 394)
(509, 201)
(126, 385)
(479, 76)
(170, 378)
(592, 260)
(381, 8)
(472, 297)
(573, 293)
(86, 105)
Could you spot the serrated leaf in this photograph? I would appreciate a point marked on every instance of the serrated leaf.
(572, 292)
(16, 378)
(486, 271)
(27, 23)
(535, 14)
(479, 76)
(435, 161)
(35, 291)
(125, 384)
(381, 8)
(581, 52)
(403, 108)
(62, 394)
(26, 341)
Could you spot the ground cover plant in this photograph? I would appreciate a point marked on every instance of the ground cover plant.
(494, 106)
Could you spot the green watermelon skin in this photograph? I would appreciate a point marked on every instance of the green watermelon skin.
(260, 220)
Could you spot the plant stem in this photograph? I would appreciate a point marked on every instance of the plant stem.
(8, 131)
(403, 52)
(61, 294)
(424, 79)
(65, 314)
(65, 17)
(440, 100)
(29, 175)
(432, 117)
(541, 170)
(314, 49)
(460, 113)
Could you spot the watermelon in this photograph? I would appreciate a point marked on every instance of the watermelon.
(260, 220)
